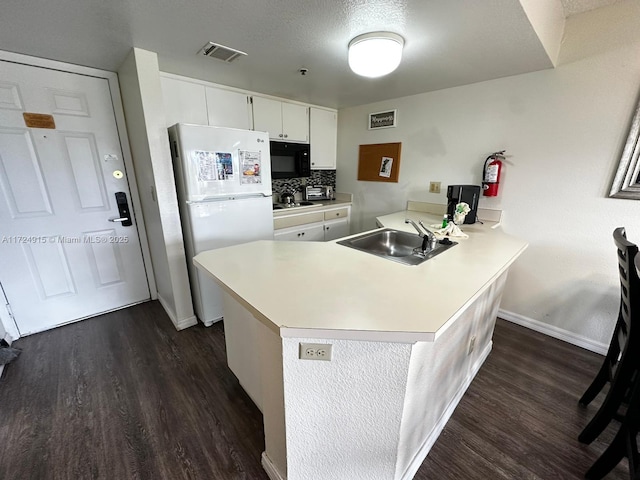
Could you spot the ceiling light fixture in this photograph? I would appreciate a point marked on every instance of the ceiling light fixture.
(375, 54)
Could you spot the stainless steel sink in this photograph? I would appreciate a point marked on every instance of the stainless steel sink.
(395, 245)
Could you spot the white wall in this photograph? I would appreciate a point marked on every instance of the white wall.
(564, 129)
(143, 105)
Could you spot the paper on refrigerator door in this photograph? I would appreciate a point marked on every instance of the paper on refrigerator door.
(224, 166)
(250, 167)
(212, 166)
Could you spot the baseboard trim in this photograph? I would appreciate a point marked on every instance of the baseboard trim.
(178, 324)
(423, 451)
(270, 468)
(553, 331)
(186, 322)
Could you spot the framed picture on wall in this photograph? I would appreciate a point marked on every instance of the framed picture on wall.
(386, 119)
(626, 183)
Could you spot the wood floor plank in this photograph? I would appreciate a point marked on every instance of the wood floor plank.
(125, 396)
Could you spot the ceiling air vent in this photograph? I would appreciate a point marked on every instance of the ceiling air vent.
(220, 52)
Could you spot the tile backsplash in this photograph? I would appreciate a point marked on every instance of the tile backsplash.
(318, 177)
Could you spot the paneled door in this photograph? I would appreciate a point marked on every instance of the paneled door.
(69, 246)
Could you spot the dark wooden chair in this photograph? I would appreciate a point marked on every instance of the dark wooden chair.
(625, 443)
(623, 357)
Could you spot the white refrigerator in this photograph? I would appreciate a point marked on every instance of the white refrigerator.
(223, 180)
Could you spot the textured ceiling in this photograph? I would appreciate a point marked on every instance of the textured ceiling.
(448, 42)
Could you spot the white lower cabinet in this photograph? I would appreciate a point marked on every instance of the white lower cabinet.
(336, 229)
(309, 233)
(317, 226)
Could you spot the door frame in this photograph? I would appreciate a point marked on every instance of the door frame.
(116, 100)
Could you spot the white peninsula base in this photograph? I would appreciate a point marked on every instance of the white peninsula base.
(374, 411)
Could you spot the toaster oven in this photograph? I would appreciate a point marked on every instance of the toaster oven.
(319, 192)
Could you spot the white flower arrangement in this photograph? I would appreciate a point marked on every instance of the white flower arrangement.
(460, 212)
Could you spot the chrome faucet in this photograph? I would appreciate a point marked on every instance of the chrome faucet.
(429, 240)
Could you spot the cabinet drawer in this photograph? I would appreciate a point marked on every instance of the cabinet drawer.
(294, 220)
(333, 214)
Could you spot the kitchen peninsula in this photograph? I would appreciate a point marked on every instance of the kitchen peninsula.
(406, 341)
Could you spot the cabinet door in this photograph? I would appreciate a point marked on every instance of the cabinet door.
(228, 109)
(311, 233)
(184, 102)
(336, 229)
(267, 117)
(295, 123)
(323, 136)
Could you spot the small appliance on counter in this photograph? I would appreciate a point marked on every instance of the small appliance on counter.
(468, 194)
(318, 192)
(287, 198)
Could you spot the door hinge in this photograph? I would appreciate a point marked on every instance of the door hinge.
(3, 295)
(250, 100)
(10, 311)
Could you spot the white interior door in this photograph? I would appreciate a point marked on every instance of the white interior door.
(62, 257)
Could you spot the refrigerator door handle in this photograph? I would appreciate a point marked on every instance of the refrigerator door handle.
(229, 197)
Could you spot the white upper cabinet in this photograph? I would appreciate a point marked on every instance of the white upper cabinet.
(286, 122)
(228, 109)
(267, 117)
(184, 102)
(295, 122)
(190, 102)
(323, 138)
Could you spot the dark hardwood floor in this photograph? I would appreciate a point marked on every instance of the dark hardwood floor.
(125, 396)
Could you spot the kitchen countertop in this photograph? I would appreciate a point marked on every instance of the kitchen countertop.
(318, 206)
(326, 290)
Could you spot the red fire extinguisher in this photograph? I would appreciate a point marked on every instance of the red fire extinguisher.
(491, 174)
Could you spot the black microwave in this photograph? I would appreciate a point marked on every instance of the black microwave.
(290, 160)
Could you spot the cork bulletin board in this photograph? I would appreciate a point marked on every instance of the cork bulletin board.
(379, 162)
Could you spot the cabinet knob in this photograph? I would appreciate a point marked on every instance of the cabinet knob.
(337, 214)
(280, 135)
(286, 136)
(303, 234)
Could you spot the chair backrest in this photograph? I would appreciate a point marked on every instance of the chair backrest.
(637, 265)
(629, 279)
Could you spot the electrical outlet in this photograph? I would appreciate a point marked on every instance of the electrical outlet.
(472, 344)
(315, 351)
(434, 187)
